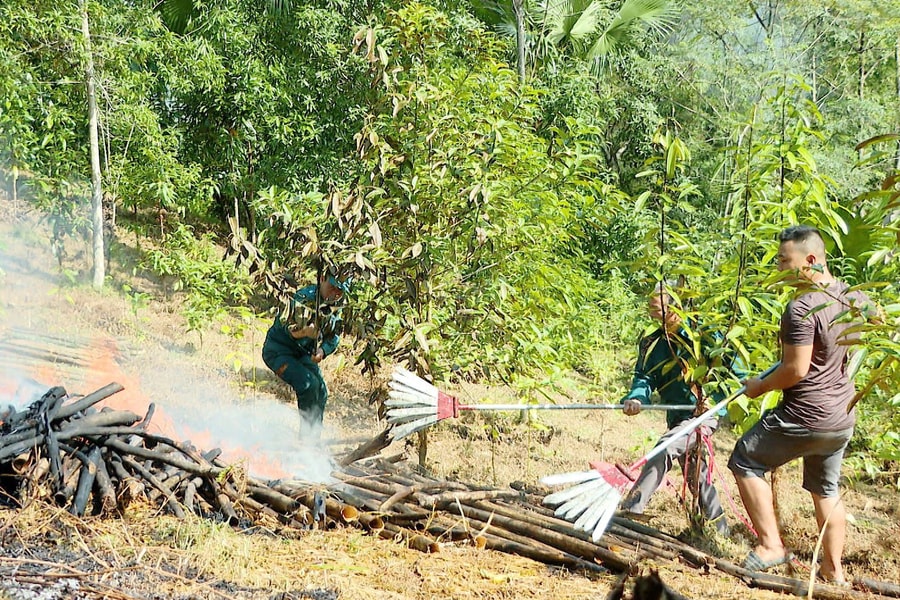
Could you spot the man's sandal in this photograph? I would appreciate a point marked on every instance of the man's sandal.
(754, 563)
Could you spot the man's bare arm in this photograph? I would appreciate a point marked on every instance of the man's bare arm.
(794, 367)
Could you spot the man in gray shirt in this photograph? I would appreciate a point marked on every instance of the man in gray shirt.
(812, 421)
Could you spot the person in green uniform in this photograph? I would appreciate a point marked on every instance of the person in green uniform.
(662, 357)
(296, 345)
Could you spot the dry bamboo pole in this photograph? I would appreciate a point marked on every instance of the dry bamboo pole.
(562, 537)
(520, 543)
(371, 522)
(413, 540)
(654, 541)
(362, 498)
(339, 511)
(283, 503)
(454, 531)
(467, 496)
(406, 492)
(545, 542)
(798, 587)
(567, 529)
(383, 493)
(879, 587)
(22, 463)
(373, 446)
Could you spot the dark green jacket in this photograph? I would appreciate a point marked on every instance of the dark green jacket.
(279, 339)
(659, 367)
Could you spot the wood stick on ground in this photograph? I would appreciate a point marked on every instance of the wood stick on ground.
(67, 410)
(373, 446)
(85, 482)
(104, 492)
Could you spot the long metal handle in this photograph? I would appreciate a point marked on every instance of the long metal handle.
(689, 426)
(572, 407)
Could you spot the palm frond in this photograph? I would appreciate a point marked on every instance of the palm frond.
(496, 13)
(176, 14)
(278, 7)
(570, 21)
(657, 15)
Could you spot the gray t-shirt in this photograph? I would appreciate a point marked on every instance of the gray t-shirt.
(819, 400)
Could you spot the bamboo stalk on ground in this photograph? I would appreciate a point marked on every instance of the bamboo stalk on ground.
(105, 493)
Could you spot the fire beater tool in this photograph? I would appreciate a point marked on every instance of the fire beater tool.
(594, 495)
(415, 404)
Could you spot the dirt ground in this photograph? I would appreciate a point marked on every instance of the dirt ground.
(213, 388)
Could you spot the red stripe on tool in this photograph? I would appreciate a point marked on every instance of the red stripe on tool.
(447, 406)
(613, 475)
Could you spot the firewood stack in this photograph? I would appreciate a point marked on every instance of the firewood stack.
(97, 462)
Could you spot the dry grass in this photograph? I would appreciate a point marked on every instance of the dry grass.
(145, 552)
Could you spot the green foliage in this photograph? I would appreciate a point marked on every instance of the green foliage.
(195, 264)
(464, 217)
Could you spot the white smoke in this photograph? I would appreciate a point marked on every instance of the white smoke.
(254, 429)
(257, 429)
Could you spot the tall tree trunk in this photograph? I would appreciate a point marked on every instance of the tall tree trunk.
(897, 71)
(815, 66)
(519, 10)
(862, 64)
(96, 184)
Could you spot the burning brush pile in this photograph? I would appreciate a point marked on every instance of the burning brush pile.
(66, 452)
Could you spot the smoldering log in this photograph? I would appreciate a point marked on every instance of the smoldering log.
(67, 410)
(104, 493)
(17, 443)
(85, 482)
(191, 467)
(52, 446)
(226, 508)
(102, 423)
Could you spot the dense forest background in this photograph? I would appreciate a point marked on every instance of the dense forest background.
(506, 180)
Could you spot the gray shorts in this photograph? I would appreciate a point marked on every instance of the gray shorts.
(773, 442)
